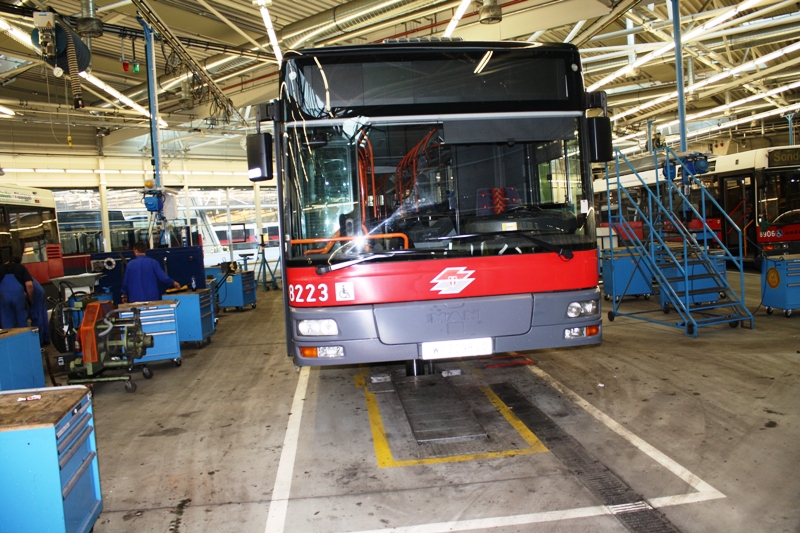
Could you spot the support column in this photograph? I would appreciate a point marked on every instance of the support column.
(257, 204)
(676, 31)
(104, 222)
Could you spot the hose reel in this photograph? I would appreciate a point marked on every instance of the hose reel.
(62, 48)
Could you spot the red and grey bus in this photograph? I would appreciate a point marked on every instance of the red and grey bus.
(28, 229)
(435, 199)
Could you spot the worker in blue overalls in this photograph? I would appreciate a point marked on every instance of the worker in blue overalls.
(142, 276)
(16, 292)
(38, 306)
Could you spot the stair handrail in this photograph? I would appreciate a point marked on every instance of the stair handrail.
(650, 254)
(659, 208)
(701, 215)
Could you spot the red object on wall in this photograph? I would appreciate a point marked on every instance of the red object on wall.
(55, 261)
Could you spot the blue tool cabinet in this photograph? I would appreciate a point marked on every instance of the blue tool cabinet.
(237, 290)
(160, 320)
(780, 283)
(195, 314)
(49, 478)
(622, 276)
(20, 359)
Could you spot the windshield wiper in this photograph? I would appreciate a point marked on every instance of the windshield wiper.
(562, 252)
(324, 269)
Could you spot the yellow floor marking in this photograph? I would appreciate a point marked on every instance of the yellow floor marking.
(383, 452)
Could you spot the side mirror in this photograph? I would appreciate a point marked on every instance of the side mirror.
(259, 156)
(600, 139)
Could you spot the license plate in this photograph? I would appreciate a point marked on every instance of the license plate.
(459, 348)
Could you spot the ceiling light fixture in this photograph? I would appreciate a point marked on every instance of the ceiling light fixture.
(715, 110)
(691, 36)
(273, 38)
(462, 8)
(728, 125)
(717, 77)
(119, 96)
(6, 111)
(18, 35)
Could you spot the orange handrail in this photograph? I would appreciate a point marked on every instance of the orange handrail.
(331, 240)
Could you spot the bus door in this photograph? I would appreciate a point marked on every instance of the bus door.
(737, 202)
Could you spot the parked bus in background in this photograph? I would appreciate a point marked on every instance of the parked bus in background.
(244, 236)
(82, 236)
(758, 189)
(28, 229)
(435, 200)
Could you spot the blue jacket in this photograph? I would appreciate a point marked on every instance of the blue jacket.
(142, 277)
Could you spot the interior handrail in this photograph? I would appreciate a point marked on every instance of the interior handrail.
(350, 238)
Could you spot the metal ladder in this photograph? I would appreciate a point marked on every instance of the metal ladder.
(686, 269)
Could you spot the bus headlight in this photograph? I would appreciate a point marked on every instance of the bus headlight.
(317, 328)
(578, 309)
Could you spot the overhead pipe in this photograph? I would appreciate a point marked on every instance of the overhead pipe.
(787, 27)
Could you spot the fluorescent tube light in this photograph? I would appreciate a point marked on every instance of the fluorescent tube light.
(462, 8)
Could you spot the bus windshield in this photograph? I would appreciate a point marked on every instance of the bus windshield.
(442, 188)
(780, 197)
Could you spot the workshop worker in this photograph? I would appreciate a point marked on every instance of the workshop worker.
(142, 277)
(16, 292)
(38, 309)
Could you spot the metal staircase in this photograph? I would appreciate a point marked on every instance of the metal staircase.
(685, 269)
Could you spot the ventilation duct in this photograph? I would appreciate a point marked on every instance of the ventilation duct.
(490, 12)
(88, 25)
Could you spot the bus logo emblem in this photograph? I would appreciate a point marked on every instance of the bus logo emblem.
(452, 280)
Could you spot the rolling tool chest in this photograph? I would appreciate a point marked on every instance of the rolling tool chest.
(49, 478)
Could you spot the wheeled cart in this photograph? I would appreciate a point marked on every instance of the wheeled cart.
(625, 274)
(195, 315)
(159, 319)
(236, 290)
(780, 283)
(49, 479)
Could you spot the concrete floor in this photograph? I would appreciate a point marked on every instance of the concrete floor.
(236, 440)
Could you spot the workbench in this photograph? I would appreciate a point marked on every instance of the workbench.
(20, 359)
(49, 478)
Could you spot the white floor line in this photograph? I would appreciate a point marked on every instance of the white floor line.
(499, 521)
(276, 519)
(707, 491)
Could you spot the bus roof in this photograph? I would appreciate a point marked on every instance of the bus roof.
(431, 44)
(26, 196)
